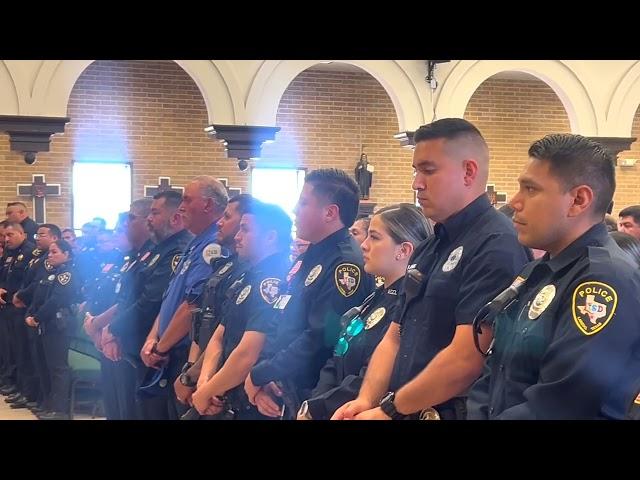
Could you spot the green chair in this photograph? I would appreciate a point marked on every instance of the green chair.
(85, 374)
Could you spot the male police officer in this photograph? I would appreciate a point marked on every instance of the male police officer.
(324, 283)
(167, 345)
(207, 316)
(263, 243)
(567, 340)
(427, 358)
(17, 212)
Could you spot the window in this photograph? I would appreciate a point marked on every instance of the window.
(281, 186)
(100, 190)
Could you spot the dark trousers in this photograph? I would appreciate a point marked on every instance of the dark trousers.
(56, 351)
(28, 383)
(7, 348)
(109, 385)
(126, 375)
(40, 364)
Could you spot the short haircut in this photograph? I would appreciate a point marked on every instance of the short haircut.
(336, 187)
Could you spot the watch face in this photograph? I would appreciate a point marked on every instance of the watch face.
(185, 380)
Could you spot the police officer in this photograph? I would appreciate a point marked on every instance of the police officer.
(394, 232)
(206, 317)
(263, 242)
(39, 267)
(427, 358)
(20, 368)
(167, 344)
(324, 283)
(54, 297)
(17, 212)
(567, 338)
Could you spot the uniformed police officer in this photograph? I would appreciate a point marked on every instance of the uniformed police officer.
(17, 259)
(263, 243)
(392, 236)
(567, 339)
(324, 283)
(17, 212)
(167, 345)
(206, 317)
(427, 358)
(39, 267)
(50, 312)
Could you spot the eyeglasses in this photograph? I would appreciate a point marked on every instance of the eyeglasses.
(355, 328)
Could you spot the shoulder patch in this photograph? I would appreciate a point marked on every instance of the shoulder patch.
(313, 274)
(175, 261)
(64, 278)
(347, 277)
(47, 265)
(270, 290)
(593, 306)
(211, 251)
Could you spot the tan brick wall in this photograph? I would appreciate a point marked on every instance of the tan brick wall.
(324, 115)
(628, 178)
(511, 114)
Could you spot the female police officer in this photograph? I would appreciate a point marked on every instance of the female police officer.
(394, 232)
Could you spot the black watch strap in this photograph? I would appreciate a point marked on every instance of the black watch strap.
(389, 408)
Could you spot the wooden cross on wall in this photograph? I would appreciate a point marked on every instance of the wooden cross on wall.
(496, 198)
(164, 184)
(39, 191)
(231, 191)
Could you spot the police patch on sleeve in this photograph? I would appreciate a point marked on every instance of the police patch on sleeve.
(47, 265)
(593, 306)
(243, 294)
(174, 262)
(347, 277)
(211, 251)
(270, 290)
(64, 278)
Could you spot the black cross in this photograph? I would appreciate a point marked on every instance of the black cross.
(231, 191)
(494, 196)
(39, 190)
(164, 184)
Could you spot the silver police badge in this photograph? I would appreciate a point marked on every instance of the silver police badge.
(542, 301)
(454, 258)
(270, 290)
(313, 274)
(243, 294)
(64, 278)
(374, 318)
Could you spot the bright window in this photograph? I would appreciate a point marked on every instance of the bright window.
(281, 186)
(100, 190)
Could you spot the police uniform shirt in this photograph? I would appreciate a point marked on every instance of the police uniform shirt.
(472, 257)
(568, 347)
(191, 274)
(52, 293)
(102, 292)
(142, 286)
(16, 266)
(250, 305)
(341, 378)
(325, 282)
(225, 272)
(30, 227)
(39, 267)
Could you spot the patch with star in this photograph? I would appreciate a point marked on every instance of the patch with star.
(593, 306)
(64, 278)
(270, 290)
(347, 277)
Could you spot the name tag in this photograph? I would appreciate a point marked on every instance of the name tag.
(281, 303)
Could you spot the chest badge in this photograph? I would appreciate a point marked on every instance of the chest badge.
(313, 274)
(542, 301)
(375, 317)
(243, 294)
(452, 261)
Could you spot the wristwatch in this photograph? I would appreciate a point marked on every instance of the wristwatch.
(155, 350)
(304, 411)
(185, 380)
(389, 408)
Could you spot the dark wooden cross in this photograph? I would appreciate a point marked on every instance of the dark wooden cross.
(231, 191)
(164, 184)
(39, 190)
(495, 197)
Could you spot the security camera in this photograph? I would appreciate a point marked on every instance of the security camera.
(30, 158)
(243, 165)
